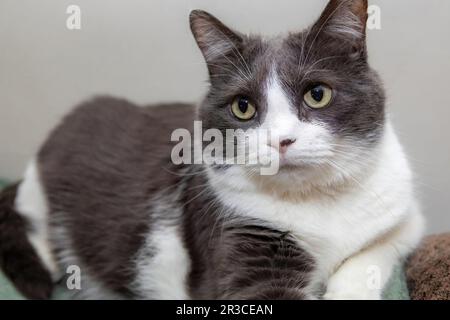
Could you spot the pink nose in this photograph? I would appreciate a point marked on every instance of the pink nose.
(284, 144)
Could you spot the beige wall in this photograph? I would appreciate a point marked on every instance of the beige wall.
(142, 50)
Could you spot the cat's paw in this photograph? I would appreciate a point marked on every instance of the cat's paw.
(352, 294)
(348, 288)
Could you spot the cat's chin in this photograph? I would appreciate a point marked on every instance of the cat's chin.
(301, 163)
(293, 168)
(294, 177)
(291, 174)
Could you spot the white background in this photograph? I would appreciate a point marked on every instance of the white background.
(143, 50)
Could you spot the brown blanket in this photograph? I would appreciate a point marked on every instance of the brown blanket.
(428, 269)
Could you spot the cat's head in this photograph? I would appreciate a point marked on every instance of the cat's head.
(313, 90)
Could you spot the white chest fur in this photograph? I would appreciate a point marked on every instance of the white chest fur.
(331, 228)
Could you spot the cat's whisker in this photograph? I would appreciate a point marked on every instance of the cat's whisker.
(302, 63)
(221, 67)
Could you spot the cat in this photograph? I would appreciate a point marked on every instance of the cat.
(102, 193)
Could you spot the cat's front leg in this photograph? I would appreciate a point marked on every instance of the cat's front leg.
(364, 275)
(258, 263)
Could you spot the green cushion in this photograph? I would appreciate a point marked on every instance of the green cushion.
(7, 290)
(3, 183)
(397, 288)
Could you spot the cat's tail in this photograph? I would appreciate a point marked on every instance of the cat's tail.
(18, 259)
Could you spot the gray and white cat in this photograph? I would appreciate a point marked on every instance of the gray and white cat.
(103, 194)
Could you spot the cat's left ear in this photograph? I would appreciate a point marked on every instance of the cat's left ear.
(215, 40)
(345, 22)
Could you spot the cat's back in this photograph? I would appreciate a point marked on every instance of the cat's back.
(112, 126)
(111, 147)
(99, 170)
(112, 140)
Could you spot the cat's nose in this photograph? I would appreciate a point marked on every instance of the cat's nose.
(285, 143)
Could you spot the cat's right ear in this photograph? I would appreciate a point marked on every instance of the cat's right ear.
(215, 40)
(343, 22)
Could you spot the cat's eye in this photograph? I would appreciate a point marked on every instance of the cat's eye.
(319, 96)
(243, 109)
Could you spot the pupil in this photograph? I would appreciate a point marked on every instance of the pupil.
(317, 93)
(243, 105)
